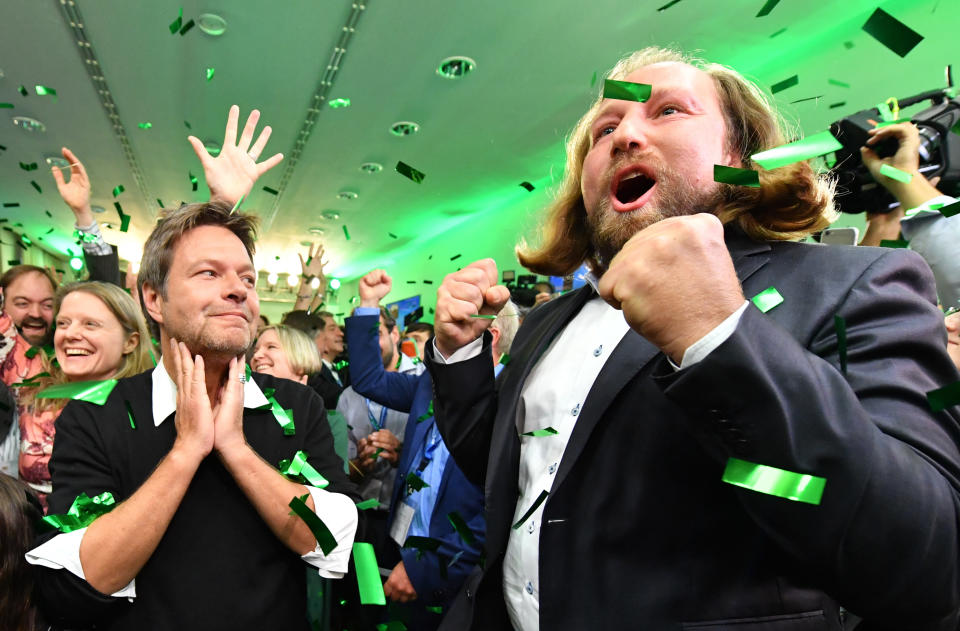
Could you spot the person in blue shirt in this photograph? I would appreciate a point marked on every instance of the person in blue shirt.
(436, 519)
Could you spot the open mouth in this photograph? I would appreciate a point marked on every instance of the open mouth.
(632, 189)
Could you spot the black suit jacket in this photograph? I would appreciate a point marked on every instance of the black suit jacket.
(639, 530)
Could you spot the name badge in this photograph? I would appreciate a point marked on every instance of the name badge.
(401, 523)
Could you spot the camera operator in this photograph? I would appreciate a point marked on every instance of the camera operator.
(930, 234)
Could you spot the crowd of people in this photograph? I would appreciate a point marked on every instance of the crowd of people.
(658, 449)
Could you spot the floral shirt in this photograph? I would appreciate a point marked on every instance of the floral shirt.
(15, 366)
(36, 445)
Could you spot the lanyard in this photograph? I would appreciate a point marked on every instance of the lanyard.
(373, 421)
(429, 448)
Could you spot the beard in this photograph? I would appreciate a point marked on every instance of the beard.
(203, 340)
(45, 339)
(674, 197)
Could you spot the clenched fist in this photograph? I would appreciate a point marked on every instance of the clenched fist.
(469, 292)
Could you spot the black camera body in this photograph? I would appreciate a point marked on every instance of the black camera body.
(858, 192)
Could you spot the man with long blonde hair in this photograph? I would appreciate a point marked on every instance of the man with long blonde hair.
(663, 453)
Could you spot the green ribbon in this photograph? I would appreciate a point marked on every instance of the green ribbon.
(799, 487)
(546, 431)
(36, 186)
(767, 8)
(408, 171)
(767, 299)
(895, 174)
(942, 398)
(299, 470)
(626, 90)
(146, 125)
(91, 391)
(482, 316)
(505, 359)
(284, 417)
(28, 167)
(368, 504)
(193, 180)
(33, 350)
(368, 574)
(809, 147)
(840, 325)
(82, 512)
(460, 525)
(842, 84)
(435, 609)
(315, 524)
(530, 511)
(176, 24)
(426, 414)
(735, 176)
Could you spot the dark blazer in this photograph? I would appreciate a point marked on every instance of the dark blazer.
(412, 393)
(105, 267)
(326, 386)
(640, 531)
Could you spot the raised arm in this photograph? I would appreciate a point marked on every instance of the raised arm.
(310, 269)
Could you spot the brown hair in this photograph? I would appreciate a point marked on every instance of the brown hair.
(17, 271)
(131, 319)
(20, 511)
(791, 203)
(173, 224)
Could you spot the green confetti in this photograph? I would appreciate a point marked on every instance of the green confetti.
(193, 180)
(415, 483)
(272, 191)
(767, 299)
(133, 424)
(528, 186)
(338, 103)
(895, 174)
(319, 529)
(834, 106)
(23, 91)
(146, 125)
(667, 5)
(299, 470)
(426, 414)
(124, 218)
(283, 416)
(892, 33)
(767, 8)
(943, 398)
(118, 189)
(368, 574)
(842, 84)
(780, 32)
(455, 257)
(885, 114)
(894, 243)
(188, 125)
(36, 186)
(95, 392)
(81, 513)
(392, 236)
(735, 176)
(49, 214)
(840, 326)
(783, 85)
(186, 27)
(438, 610)
(505, 359)
(546, 431)
(809, 98)
(848, 45)
(408, 171)
(159, 203)
(809, 147)
(483, 316)
(346, 233)
(593, 79)
(43, 90)
(798, 487)
(626, 90)
(368, 504)
(28, 167)
(176, 24)
(530, 511)
(6, 106)
(428, 544)
(950, 209)
(237, 206)
(460, 525)
(210, 72)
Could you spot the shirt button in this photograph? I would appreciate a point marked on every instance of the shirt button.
(598, 350)
(529, 587)
(575, 410)
(531, 527)
(552, 468)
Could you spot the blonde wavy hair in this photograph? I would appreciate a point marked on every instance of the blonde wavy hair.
(127, 312)
(791, 203)
(301, 352)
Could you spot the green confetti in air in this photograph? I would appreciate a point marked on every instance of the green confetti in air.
(943, 398)
(786, 83)
(767, 8)
(530, 511)
(735, 176)
(892, 33)
(188, 125)
(176, 24)
(32, 166)
(809, 147)
(368, 504)
(409, 172)
(95, 392)
(528, 186)
(667, 5)
(894, 243)
(546, 431)
(798, 487)
(272, 191)
(950, 209)
(23, 91)
(426, 414)
(133, 423)
(193, 180)
(895, 174)
(146, 125)
(319, 529)
(49, 214)
(415, 482)
(43, 90)
(36, 186)
(6, 106)
(346, 233)
(124, 218)
(840, 326)
(626, 90)
(842, 84)
(780, 32)
(340, 102)
(460, 525)
(834, 106)
(593, 79)
(210, 72)
(437, 610)
(767, 299)
(884, 111)
(118, 189)
(186, 27)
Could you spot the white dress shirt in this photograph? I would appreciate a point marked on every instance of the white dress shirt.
(337, 511)
(552, 396)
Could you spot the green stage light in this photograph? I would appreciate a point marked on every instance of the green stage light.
(76, 263)
(334, 284)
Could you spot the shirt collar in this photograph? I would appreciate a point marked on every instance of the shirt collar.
(165, 395)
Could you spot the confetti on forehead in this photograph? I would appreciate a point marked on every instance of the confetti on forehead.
(809, 147)
(626, 90)
(892, 33)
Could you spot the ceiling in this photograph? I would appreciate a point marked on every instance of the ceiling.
(537, 65)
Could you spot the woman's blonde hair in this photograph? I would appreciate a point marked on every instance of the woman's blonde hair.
(301, 352)
(126, 311)
(791, 203)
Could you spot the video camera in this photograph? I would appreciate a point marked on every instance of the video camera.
(939, 150)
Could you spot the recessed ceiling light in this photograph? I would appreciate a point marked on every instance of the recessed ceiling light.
(98, 209)
(332, 215)
(371, 167)
(28, 124)
(1, 73)
(212, 147)
(341, 102)
(315, 230)
(404, 128)
(54, 160)
(212, 24)
(456, 67)
(348, 195)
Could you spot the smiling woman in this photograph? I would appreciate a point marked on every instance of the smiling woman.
(285, 352)
(100, 334)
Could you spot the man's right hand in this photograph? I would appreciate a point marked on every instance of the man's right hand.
(469, 292)
(907, 159)
(373, 287)
(76, 192)
(194, 418)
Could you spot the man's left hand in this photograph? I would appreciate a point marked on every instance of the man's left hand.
(398, 587)
(232, 174)
(228, 412)
(674, 281)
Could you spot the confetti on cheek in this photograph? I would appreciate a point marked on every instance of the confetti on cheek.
(797, 487)
(767, 299)
(735, 176)
(892, 33)
(626, 90)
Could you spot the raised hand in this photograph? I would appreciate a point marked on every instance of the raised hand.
(76, 192)
(194, 418)
(469, 292)
(232, 174)
(314, 264)
(907, 159)
(228, 412)
(373, 287)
